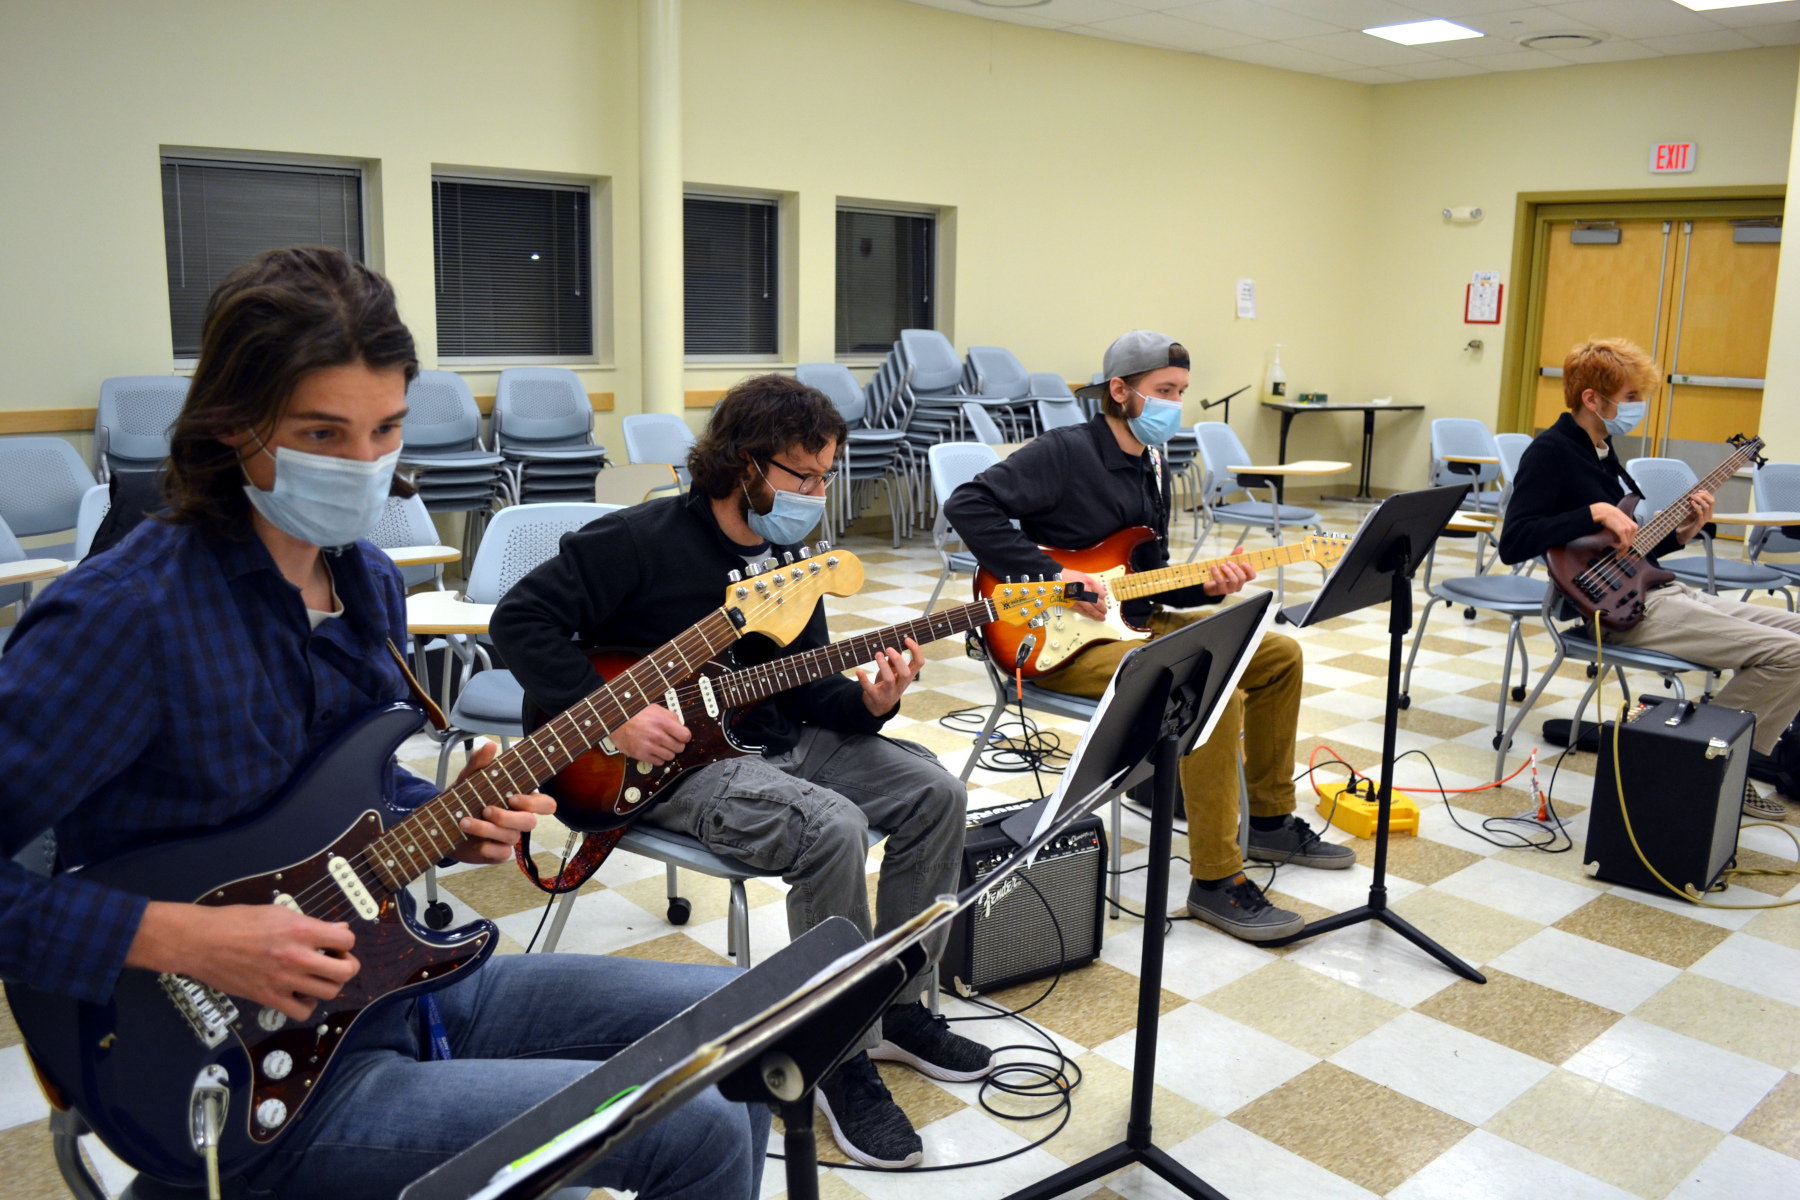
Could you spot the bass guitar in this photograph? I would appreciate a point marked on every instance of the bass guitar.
(1601, 577)
(181, 1080)
(601, 783)
(1069, 633)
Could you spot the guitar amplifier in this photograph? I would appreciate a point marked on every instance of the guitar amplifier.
(1683, 782)
(1009, 936)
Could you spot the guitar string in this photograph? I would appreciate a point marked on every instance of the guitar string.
(1612, 566)
(1159, 579)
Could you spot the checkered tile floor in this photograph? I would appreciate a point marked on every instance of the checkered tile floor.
(1625, 1044)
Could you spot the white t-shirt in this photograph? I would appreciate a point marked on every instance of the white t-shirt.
(317, 618)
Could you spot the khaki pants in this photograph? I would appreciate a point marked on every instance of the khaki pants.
(1265, 710)
(1761, 644)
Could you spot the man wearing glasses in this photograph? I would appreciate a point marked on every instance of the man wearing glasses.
(638, 577)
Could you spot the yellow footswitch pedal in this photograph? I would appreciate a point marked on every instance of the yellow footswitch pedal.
(1356, 811)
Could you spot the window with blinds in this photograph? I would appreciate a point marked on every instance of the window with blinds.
(219, 215)
(885, 278)
(731, 276)
(514, 269)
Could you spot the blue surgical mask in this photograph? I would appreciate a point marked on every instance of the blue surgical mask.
(1160, 420)
(789, 519)
(324, 500)
(1628, 417)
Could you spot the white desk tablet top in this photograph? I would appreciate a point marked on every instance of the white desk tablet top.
(1763, 518)
(1308, 466)
(25, 570)
(418, 556)
(1470, 458)
(445, 612)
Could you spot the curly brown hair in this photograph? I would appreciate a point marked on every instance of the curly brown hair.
(758, 419)
(280, 316)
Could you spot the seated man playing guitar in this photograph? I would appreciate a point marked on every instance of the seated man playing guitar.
(169, 687)
(1075, 486)
(825, 775)
(1571, 484)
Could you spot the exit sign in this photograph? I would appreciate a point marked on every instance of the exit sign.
(1672, 158)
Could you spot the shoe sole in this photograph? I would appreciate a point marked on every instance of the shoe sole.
(889, 1052)
(850, 1150)
(1247, 933)
(1754, 815)
(1336, 862)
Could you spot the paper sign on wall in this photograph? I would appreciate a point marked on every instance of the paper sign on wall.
(1246, 299)
(1481, 304)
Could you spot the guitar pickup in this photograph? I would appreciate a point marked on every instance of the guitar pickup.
(208, 1011)
(708, 697)
(1625, 566)
(672, 702)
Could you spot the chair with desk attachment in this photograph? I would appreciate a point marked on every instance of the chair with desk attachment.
(132, 422)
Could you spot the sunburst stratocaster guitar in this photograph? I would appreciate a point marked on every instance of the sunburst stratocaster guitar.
(164, 1055)
(1068, 632)
(602, 783)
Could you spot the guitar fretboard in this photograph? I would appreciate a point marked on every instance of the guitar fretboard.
(1167, 579)
(1652, 532)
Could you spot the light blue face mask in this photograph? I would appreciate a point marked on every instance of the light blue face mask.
(1160, 420)
(1628, 417)
(789, 519)
(324, 500)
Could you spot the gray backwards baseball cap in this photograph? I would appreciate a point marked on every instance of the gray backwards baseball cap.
(1136, 352)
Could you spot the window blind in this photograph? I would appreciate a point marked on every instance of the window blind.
(514, 269)
(884, 278)
(730, 274)
(217, 216)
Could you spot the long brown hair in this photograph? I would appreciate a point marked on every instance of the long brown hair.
(280, 316)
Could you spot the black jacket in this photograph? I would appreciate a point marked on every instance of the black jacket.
(1559, 477)
(633, 580)
(1068, 489)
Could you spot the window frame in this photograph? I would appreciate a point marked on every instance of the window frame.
(940, 302)
(784, 229)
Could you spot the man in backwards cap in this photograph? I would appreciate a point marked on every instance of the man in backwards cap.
(1078, 485)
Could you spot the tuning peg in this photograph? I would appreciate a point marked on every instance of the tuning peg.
(823, 546)
(752, 569)
(734, 576)
(787, 556)
(804, 552)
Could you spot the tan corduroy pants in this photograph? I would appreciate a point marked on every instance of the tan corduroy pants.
(1761, 644)
(1265, 710)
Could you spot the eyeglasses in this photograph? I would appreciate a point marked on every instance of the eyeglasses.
(808, 482)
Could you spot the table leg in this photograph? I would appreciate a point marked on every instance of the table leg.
(1362, 491)
(1287, 418)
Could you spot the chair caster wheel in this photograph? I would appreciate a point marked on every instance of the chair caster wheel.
(1496, 741)
(1468, 614)
(1518, 694)
(679, 909)
(437, 915)
(1405, 700)
(1592, 670)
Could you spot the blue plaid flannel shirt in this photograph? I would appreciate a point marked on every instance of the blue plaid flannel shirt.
(166, 687)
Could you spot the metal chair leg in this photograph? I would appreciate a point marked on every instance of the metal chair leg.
(1419, 637)
(563, 905)
(987, 730)
(66, 1128)
(1524, 708)
(740, 921)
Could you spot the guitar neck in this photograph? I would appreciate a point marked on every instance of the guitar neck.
(433, 830)
(1168, 579)
(778, 675)
(1651, 533)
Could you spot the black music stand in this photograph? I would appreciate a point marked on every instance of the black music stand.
(1378, 566)
(1164, 697)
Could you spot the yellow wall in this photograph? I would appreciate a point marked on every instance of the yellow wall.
(1781, 396)
(1091, 186)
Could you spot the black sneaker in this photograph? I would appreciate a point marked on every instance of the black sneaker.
(869, 1127)
(1296, 843)
(911, 1035)
(1238, 907)
(1759, 807)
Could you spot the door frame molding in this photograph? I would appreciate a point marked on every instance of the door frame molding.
(1530, 258)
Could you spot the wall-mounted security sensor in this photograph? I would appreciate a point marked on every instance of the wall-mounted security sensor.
(1464, 214)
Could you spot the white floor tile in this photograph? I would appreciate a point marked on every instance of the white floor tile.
(1757, 966)
(1676, 1072)
(1244, 1166)
(1515, 890)
(1700, 912)
(1454, 1071)
(599, 923)
(1437, 824)
(1374, 958)
(1485, 1167)
(1196, 959)
(965, 1136)
(20, 1100)
(1589, 970)
(1738, 1170)
(1212, 1060)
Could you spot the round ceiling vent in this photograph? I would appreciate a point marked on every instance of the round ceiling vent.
(1012, 3)
(1559, 41)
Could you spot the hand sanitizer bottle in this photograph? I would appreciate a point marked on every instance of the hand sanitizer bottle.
(1277, 382)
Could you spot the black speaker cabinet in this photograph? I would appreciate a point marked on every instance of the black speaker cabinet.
(1009, 936)
(1683, 775)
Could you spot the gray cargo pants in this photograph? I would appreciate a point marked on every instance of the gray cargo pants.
(804, 815)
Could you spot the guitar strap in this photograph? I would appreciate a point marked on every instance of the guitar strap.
(581, 865)
(433, 713)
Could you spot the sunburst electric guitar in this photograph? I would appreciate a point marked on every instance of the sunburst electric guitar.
(1067, 632)
(169, 1071)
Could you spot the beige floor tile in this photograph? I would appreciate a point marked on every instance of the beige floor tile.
(1355, 1128)
(27, 1166)
(1530, 1018)
(1303, 1008)
(1565, 866)
(1090, 1006)
(1435, 724)
(1102, 1103)
(923, 704)
(1775, 1122)
(1319, 722)
(1472, 931)
(1778, 925)
(1730, 1018)
(1362, 664)
(1769, 885)
(709, 897)
(674, 947)
(1418, 859)
(1651, 932)
(831, 1186)
(1356, 756)
(502, 889)
(1617, 1138)
(9, 1029)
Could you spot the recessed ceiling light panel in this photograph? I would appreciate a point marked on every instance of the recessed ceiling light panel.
(1423, 33)
(1709, 5)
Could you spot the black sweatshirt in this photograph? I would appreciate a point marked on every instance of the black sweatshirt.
(1068, 488)
(1560, 476)
(633, 580)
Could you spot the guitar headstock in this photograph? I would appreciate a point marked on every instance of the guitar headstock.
(1025, 601)
(1326, 548)
(776, 599)
(1750, 447)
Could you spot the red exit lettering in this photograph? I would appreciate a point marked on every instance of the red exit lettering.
(1672, 158)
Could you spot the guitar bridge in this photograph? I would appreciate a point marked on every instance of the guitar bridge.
(209, 1012)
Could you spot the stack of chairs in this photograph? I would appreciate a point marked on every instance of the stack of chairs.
(544, 426)
(441, 451)
(869, 457)
(996, 371)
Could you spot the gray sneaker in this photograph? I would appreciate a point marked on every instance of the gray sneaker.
(1239, 908)
(1295, 843)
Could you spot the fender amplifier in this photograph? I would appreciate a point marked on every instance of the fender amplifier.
(1683, 772)
(1010, 935)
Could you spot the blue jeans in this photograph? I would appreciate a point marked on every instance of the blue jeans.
(520, 1028)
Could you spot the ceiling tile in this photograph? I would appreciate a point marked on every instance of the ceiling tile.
(1611, 50)
(1034, 17)
(1456, 10)
(1711, 42)
(1442, 68)
(1516, 22)
(1171, 32)
(1256, 19)
(1756, 14)
(1362, 49)
(1636, 18)
(1355, 14)
(1285, 57)
(1517, 60)
(1785, 34)
(1369, 75)
(1067, 12)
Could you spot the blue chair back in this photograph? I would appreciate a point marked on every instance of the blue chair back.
(441, 413)
(839, 386)
(659, 438)
(1219, 450)
(405, 522)
(956, 463)
(42, 481)
(936, 371)
(1776, 487)
(10, 551)
(1050, 385)
(1663, 481)
(1466, 436)
(995, 371)
(545, 408)
(982, 425)
(521, 538)
(1054, 414)
(136, 412)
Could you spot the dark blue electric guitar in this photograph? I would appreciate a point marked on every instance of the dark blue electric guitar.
(181, 1080)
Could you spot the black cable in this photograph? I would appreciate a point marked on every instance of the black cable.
(1033, 749)
(550, 900)
(1547, 846)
